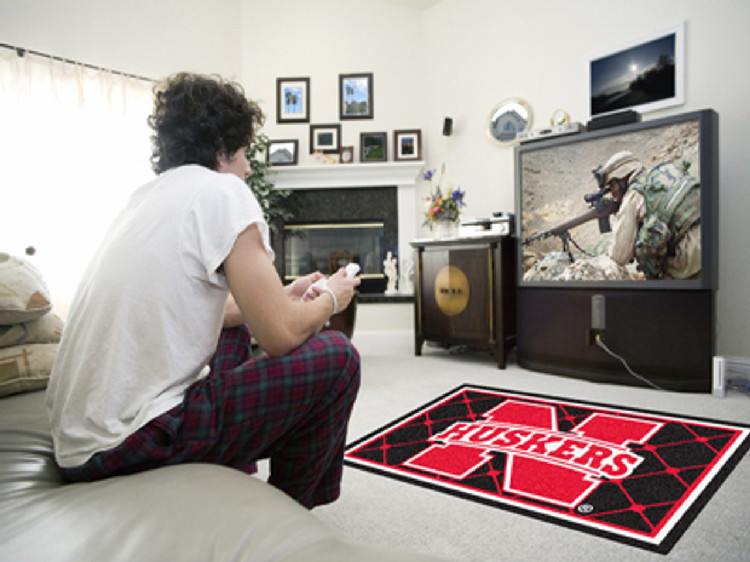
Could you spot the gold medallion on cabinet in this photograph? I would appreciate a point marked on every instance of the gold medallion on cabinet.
(451, 290)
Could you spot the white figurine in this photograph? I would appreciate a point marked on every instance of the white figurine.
(407, 285)
(389, 264)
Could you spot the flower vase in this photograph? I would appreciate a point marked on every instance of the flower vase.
(445, 229)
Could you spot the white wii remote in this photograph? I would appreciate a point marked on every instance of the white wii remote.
(351, 270)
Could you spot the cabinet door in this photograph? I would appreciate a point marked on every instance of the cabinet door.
(456, 300)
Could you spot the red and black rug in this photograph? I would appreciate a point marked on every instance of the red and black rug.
(635, 476)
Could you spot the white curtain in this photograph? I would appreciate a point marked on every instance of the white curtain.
(74, 143)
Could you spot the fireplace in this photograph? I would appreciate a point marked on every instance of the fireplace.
(343, 199)
(332, 227)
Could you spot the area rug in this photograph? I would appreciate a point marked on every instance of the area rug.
(635, 476)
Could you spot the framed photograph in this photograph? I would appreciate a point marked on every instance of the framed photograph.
(325, 138)
(282, 152)
(644, 75)
(373, 147)
(292, 100)
(407, 145)
(355, 96)
(346, 156)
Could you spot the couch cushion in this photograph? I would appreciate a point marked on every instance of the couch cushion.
(26, 367)
(23, 294)
(184, 512)
(47, 329)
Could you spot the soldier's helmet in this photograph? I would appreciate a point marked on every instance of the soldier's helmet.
(618, 166)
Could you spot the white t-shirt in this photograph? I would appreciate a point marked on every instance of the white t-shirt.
(148, 313)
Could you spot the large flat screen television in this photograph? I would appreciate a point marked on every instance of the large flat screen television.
(589, 275)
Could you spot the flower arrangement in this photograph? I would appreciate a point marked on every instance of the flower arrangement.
(445, 202)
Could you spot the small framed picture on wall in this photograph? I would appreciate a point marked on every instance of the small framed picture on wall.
(282, 152)
(346, 156)
(407, 145)
(373, 147)
(325, 138)
(355, 96)
(292, 100)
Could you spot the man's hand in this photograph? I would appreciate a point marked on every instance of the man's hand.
(342, 287)
(298, 288)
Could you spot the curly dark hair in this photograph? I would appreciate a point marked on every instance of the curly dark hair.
(197, 118)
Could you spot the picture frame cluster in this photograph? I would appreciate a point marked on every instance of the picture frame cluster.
(356, 102)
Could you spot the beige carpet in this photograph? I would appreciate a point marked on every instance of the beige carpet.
(381, 510)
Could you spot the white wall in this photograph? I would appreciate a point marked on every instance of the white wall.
(457, 58)
(323, 39)
(150, 38)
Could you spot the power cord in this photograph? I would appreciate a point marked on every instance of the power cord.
(602, 345)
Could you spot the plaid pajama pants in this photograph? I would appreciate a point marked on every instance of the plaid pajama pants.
(293, 410)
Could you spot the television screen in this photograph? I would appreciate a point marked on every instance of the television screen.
(659, 233)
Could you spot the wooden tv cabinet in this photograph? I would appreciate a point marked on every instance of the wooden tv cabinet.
(465, 293)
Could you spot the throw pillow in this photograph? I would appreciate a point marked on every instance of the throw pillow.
(47, 329)
(23, 293)
(26, 367)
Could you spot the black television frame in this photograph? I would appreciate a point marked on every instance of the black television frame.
(709, 177)
(663, 329)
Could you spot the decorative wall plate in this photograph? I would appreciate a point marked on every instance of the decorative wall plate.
(508, 118)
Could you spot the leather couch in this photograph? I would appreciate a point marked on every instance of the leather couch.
(182, 513)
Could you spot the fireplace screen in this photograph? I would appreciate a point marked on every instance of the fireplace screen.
(327, 247)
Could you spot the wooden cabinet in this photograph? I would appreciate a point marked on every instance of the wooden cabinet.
(465, 293)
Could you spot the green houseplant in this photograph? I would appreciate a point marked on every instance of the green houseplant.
(272, 201)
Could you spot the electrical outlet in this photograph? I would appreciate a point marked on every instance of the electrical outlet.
(591, 336)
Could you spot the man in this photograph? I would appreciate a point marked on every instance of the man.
(145, 375)
(658, 221)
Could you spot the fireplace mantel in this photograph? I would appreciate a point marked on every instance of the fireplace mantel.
(346, 175)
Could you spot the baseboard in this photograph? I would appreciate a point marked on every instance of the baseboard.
(385, 316)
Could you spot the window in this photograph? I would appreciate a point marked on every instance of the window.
(75, 143)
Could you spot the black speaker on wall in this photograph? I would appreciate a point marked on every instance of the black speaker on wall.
(447, 126)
